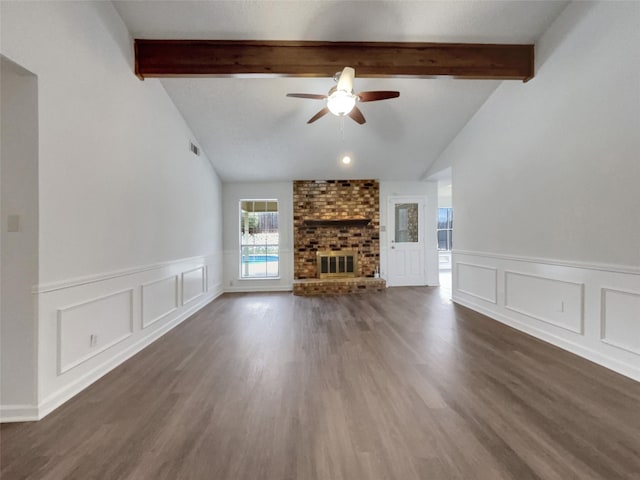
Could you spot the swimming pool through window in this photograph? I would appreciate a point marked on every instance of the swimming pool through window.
(259, 239)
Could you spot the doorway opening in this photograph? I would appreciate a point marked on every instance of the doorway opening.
(445, 236)
(18, 238)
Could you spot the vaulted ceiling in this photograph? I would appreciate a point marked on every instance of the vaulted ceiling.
(252, 132)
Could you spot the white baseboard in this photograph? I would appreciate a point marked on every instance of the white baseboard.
(580, 350)
(253, 288)
(18, 413)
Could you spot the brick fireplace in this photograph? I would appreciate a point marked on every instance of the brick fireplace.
(336, 229)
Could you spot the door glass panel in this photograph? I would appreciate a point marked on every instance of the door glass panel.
(406, 228)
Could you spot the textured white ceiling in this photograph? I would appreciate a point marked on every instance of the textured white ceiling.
(252, 132)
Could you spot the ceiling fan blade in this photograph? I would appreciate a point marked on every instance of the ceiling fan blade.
(356, 114)
(312, 96)
(345, 82)
(318, 115)
(379, 95)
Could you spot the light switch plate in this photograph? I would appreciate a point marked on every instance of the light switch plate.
(13, 223)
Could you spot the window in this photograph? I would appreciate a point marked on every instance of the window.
(445, 228)
(259, 239)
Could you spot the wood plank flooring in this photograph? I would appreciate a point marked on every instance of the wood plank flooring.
(400, 385)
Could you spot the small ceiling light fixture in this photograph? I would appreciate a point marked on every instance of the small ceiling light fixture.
(341, 102)
(341, 99)
(346, 159)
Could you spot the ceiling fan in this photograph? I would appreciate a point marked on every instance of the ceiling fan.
(341, 101)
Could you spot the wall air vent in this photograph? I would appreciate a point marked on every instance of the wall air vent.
(194, 148)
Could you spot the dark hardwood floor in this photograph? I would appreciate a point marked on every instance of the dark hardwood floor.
(400, 385)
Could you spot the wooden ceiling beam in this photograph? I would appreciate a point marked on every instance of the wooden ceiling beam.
(189, 58)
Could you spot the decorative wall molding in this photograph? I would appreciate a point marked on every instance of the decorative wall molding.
(189, 280)
(57, 398)
(100, 277)
(65, 365)
(523, 311)
(549, 261)
(614, 364)
(113, 305)
(594, 313)
(494, 284)
(213, 281)
(173, 306)
(632, 311)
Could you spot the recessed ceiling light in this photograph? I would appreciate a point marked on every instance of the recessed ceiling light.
(346, 159)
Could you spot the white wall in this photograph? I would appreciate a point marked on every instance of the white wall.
(547, 168)
(398, 189)
(445, 199)
(545, 180)
(106, 135)
(124, 205)
(19, 259)
(232, 194)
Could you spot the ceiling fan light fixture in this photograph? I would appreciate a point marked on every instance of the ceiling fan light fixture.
(341, 99)
(341, 102)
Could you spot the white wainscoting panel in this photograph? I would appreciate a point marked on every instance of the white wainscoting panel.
(590, 310)
(193, 284)
(125, 310)
(557, 302)
(214, 276)
(107, 320)
(621, 319)
(159, 299)
(477, 280)
(211, 280)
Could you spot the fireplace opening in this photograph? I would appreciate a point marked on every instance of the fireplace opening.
(341, 263)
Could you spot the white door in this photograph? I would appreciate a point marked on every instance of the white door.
(405, 263)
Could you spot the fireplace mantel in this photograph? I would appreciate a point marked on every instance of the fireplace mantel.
(341, 222)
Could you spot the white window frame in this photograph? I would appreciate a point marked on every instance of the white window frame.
(450, 230)
(240, 263)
